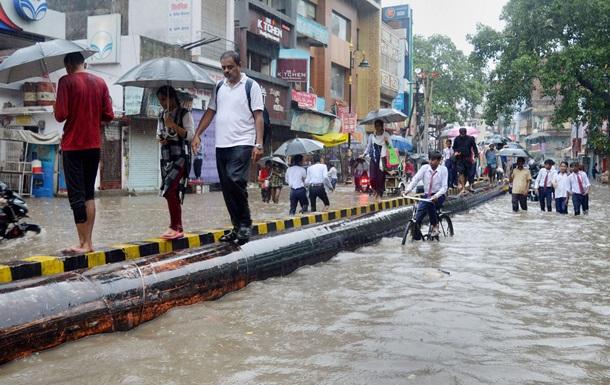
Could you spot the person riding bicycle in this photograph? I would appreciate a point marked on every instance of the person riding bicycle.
(434, 176)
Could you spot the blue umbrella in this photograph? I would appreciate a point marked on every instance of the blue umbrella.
(401, 143)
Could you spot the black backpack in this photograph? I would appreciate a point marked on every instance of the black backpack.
(266, 119)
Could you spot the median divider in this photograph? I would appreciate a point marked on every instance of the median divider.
(45, 265)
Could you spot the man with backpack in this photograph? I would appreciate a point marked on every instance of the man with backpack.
(237, 105)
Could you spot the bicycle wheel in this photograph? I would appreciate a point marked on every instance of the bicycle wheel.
(446, 225)
(408, 230)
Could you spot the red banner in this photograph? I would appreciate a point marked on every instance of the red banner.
(349, 121)
(305, 99)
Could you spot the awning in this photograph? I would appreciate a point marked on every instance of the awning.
(311, 121)
(29, 136)
(332, 139)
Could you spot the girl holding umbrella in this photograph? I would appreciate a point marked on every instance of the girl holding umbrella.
(175, 129)
(377, 150)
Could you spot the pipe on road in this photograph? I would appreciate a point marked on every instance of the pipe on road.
(41, 313)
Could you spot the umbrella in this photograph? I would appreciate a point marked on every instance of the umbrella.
(298, 146)
(514, 152)
(274, 159)
(332, 139)
(455, 131)
(39, 59)
(387, 115)
(166, 71)
(496, 139)
(401, 143)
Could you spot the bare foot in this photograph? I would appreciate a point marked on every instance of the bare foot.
(77, 250)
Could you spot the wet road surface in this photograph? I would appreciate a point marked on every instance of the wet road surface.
(123, 219)
(526, 301)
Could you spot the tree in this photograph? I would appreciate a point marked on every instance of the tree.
(459, 88)
(562, 43)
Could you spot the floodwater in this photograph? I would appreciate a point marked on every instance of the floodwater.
(121, 219)
(526, 301)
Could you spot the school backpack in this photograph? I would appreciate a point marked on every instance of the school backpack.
(266, 119)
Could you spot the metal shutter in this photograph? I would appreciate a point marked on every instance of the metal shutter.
(144, 172)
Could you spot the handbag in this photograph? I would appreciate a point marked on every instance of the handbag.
(392, 160)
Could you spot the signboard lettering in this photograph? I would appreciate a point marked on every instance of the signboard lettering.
(305, 99)
(267, 27)
(293, 71)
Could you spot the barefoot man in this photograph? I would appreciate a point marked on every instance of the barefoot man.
(83, 102)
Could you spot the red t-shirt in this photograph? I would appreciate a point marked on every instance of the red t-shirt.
(84, 103)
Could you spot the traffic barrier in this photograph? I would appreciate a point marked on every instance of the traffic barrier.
(44, 312)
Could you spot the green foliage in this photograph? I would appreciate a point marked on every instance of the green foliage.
(599, 142)
(459, 88)
(563, 43)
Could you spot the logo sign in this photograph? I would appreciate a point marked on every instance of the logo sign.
(269, 28)
(396, 13)
(31, 10)
(103, 35)
(293, 71)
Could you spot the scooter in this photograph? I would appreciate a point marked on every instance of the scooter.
(363, 184)
(12, 210)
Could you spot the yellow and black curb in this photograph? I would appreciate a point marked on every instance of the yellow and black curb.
(44, 265)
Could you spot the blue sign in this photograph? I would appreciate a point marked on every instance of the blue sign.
(312, 29)
(399, 102)
(31, 10)
(400, 12)
(320, 103)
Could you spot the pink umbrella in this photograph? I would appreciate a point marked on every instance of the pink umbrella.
(453, 132)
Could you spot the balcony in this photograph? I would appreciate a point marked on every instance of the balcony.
(313, 33)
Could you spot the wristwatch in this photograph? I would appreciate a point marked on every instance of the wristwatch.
(258, 146)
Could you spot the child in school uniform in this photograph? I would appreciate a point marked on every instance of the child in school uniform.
(561, 183)
(579, 189)
(544, 185)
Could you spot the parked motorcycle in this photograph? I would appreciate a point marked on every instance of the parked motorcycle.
(12, 210)
(362, 183)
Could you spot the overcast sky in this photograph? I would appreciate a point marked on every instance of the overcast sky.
(454, 18)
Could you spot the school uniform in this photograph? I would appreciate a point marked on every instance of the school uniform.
(561, 182)
(544, 186)
(435, 187)
(579, 188)
(295, 177)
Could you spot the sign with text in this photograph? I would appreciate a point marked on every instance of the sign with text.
(305, 99)
(179, 21)
(349, 121)
(293, 71)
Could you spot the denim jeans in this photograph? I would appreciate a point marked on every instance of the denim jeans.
(545, 197)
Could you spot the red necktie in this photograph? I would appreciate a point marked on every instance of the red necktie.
(546, 178)
(430, 187)
(582, 190)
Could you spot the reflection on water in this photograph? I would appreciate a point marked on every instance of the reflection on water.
(526, 302)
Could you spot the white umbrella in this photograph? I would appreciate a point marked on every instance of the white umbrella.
(514, 152)
(166, 71)
(39, 59)
(274, 159)
(298, 146)
(386, 115)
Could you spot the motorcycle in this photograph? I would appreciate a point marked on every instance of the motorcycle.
(12, 210)
(363, 184)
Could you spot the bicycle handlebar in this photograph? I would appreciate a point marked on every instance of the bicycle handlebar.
(417, 199)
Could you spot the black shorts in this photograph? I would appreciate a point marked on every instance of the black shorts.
(80, 170)
(463, 166)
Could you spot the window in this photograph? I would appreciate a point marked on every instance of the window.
(340, 26)
(337, 85)
(307, 9)
(259, 63)
(278, 5)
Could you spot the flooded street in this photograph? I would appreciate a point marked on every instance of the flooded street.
(122, 219)
(526, 301)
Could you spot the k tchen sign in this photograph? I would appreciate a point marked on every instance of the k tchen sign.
(293, 71)
(269, 28)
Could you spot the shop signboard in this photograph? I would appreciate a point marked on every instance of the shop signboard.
(312, 29)
(293, 71)
(179, 21)
(32, 17)
(104, 35)
(275, 99)
(311, 122)
(269, 28)
(305, 99)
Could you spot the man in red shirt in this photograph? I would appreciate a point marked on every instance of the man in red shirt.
(83, 102)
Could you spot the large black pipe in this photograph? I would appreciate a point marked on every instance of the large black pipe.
(41, 313)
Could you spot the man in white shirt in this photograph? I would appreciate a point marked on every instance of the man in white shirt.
(579, 189)
(544, 186)
(316, 179)
(332, 175)
(434, 177)
(239, 123)
(561, 183)
(295, 177)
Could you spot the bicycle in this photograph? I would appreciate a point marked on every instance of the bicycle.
(445, 226)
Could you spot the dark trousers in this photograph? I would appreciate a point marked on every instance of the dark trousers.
(519, 200)
(197, 163)
(561, 205)
(316, 192)
(298, 195)
(233, 164)
(580, 201)
(172, 195)
(452, 177)
(545, 196)
(428, 208)
(80, 171)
